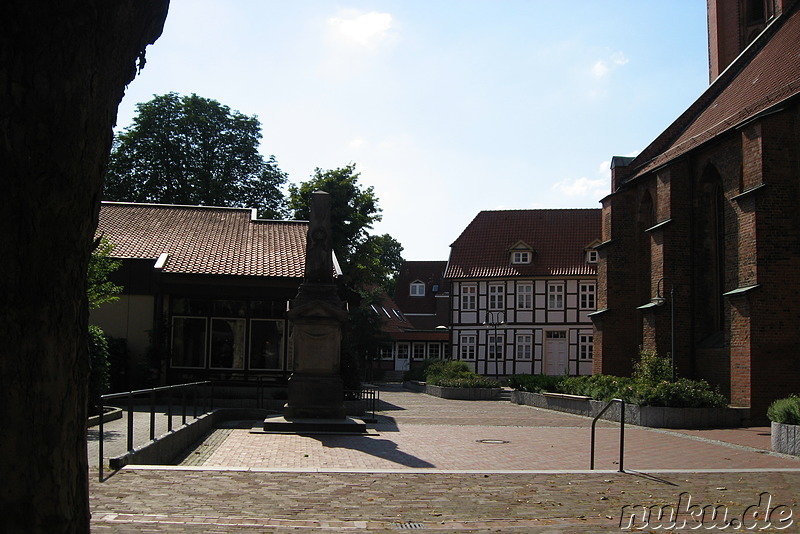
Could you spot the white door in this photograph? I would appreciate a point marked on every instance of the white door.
(555, 353)
(401, 363)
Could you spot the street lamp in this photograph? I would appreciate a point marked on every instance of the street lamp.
(659, 301)
(493, 320)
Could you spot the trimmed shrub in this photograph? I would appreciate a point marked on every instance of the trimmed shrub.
(534, 383)
(455, 373)
(418, 372)
(786, 411)
(466, 382)
(682, 393)
(644, 391)
(652, 368)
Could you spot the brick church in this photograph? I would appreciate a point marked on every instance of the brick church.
(700, 252)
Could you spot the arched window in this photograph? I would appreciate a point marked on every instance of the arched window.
(710, 256)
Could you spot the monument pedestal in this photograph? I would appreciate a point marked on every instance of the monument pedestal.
(278, 424)
(315, 396)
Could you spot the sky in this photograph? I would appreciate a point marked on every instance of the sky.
(446, 107)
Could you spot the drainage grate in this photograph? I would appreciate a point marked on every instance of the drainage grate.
(492, 441)
(408, 525)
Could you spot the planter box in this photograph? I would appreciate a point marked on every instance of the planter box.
(786, 438)
(650, 416)
(454, 393)
(109, 414)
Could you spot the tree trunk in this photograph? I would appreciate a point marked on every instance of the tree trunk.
(63, 69)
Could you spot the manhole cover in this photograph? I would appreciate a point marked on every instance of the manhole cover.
(492, 441)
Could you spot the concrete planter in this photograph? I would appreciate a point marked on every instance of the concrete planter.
(650, 416)
(109, 414)
(454, 393)
(786, 438)
(462, 393)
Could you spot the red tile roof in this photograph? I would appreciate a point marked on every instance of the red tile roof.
(559, 238)
(431, 273)
(764, 76)
(205, 240)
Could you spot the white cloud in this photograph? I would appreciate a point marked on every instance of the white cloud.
(582, 187)
(366, 29)
(602, 67)
(619, 58)
(357, 142)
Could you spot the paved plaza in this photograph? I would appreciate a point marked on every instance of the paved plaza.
(458, 466)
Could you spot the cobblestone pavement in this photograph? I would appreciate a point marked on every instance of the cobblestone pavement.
(459, 466)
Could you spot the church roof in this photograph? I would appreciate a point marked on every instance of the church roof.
(557, 238)
(205, 240)
(764, 76)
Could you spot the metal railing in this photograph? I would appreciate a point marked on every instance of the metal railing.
(191, 389)
(368, 393)
(621, 433)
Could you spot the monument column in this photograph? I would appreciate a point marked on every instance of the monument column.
(317, 315)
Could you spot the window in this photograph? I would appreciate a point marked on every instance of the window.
(266, 343)
(497, 296)
(587, 296)
(495, 346)
(555, 296)
(524, 296)
(385, 352)
(403, 350)
(227, 343)
(591, 256)
(433, 351)
(417, 289)
(419, 351)
(467, 350)
(469, 297)
(189, 342)
(524, 346)
(586, 350)
(519, 257)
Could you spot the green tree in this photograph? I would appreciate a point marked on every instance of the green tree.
(366, 260)
(194, 150)
(99, 288)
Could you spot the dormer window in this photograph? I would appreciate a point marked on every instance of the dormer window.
(417, 289)
(521, 253)
(591, 256)
(521, 257)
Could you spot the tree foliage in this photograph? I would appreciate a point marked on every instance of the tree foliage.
(194, 150)
(99, 288)
(366, 260)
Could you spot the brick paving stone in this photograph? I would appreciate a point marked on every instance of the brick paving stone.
(429, 468)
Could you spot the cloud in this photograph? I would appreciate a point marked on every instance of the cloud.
(618, 58)
(602, 67)
(357, 142)
(365, 29)
(582, 187)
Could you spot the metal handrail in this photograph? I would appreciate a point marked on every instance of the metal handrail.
(621, 433)
(129, 395)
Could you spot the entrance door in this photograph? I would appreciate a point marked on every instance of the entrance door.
(555, 353)
(403, 352)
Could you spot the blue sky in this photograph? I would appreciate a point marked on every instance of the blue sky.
(446, 107)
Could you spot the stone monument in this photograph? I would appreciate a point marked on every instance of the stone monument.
(316, 394)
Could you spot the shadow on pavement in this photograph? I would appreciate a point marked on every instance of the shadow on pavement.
(380, 448)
